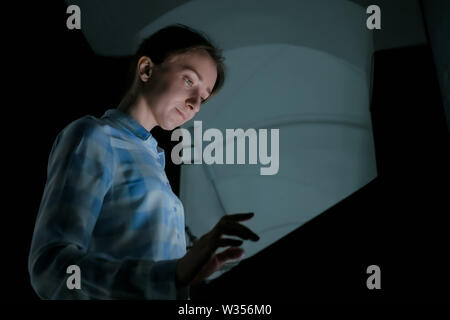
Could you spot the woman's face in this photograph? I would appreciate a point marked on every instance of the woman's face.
(177, 87)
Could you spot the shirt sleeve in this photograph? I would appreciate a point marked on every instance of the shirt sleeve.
(79, 174)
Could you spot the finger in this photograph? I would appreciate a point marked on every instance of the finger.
(229, 254)
(226, 242)
(239, 230)
(239, 216)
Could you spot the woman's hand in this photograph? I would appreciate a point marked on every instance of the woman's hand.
(200, 261)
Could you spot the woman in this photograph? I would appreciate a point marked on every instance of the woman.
(108, 210)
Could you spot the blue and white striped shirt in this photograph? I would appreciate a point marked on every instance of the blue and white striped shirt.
(108, 208)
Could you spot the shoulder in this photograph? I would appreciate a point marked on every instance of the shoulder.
(83, 134)
(86, 127)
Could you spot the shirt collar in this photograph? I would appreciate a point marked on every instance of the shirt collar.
(135, 127)
(128, 122)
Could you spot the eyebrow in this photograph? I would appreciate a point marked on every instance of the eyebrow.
(198, 75)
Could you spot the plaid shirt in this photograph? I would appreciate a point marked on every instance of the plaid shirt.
(108, 208)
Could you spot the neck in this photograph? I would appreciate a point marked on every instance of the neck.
(135, 106)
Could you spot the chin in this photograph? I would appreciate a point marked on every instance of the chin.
(169, 126)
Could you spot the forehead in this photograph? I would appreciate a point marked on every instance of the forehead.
(197, 59)
(192, 56)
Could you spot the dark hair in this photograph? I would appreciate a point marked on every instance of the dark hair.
(176, 39)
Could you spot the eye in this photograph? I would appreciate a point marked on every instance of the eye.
(190, 83)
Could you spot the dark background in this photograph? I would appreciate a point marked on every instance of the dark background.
(398, 222)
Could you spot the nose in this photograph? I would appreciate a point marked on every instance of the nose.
(193, 104)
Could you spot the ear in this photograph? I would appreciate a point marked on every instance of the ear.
(144, 68)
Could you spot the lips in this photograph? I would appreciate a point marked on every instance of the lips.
(181, 114)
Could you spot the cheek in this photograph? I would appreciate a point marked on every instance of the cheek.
(160, 88)
(159, 93)
(164, 100)
(190, 117)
